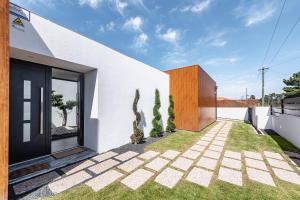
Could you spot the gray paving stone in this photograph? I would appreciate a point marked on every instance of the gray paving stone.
(202, 142)
(105, 156)
(221, 138)
(258, 164)
(260, 176)
(279, 164)
(253, 155)
(149, 155)
(288, 176)
(212, 154)
(293, 154)
(207, 163)
(233, 154)
(230, 176)
(103, 166)
(137, 178)
(34, 183)
(104, 180)
(200, 176)
(191, 154)
(131, 165)
(126, 156)
(68, 182)
(182, 163)
(215, 148)
(197, 147)
(157, 164)
(231, 163)
(77, 167)
(218, 143)
(170, 154)
(169, 177)
(273, 155)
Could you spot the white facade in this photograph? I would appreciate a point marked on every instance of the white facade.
(233, 113)
(111, 79)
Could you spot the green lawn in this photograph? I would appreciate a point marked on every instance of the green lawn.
(189, 191)
(242, 137)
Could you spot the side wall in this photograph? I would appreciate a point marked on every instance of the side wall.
(206, 99)
(111, 79)
(233, 113)
(184, 89)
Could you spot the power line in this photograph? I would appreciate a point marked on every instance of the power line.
(285, 40)
(273, 34)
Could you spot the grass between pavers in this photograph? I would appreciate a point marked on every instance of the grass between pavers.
(186, 190)
(179, 141)
(242, 137)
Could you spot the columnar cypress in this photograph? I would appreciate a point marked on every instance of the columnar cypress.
(156, 122)
(171, 124)
(138, 133)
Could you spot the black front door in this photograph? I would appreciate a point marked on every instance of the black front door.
(29, 109)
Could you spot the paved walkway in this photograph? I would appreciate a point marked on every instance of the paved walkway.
(205, 160)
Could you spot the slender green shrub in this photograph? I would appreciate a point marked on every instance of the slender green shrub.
(156, 122)
(138, 134)
(171, 124)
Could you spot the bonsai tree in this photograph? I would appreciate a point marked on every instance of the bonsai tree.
(156, 122)
(171, 124)
(57, 101)
(138, 134)
(292, 88)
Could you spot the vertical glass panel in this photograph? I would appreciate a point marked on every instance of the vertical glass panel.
(27, 89)
(26, 132)
(26, 111)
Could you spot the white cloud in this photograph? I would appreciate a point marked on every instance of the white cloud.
(134, 24)
(120, 6)
(218, 43)
(140, 41)
(197, 7)
(92, 3)
(108, 27)
(255, 13)
(213, 38)
(170, 35)
(221, 61)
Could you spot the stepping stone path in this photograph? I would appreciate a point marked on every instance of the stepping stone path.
(137, 178)
(104, 180)
(169, 177)
(207, 159)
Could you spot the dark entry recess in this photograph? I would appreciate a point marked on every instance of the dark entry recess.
(29, 120)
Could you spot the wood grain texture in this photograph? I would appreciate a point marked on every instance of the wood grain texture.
(193, 91)
(4, 88)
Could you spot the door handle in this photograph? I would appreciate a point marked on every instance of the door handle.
(42, 111)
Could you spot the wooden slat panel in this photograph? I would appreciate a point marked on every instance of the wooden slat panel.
(292, 100)
(184, 89)
(4, 85)
(206, 99)
(292, 112)
(292, 106)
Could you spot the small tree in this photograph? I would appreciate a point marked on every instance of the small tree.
(156, 122)
(171, 124)
(293, 86)
(57, 101)
(138, 133)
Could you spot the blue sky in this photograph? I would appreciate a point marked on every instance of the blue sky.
(228, 38)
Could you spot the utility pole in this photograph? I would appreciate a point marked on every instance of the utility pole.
(247, 94)
(263, 69)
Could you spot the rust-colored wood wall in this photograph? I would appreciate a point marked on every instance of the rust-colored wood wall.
(4, 85)
(193, 91)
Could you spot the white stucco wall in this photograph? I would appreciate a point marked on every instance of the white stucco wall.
(233, 113)
(262, 118)
(111, 79)
(288, 127)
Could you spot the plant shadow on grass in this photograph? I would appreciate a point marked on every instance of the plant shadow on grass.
(282, 143)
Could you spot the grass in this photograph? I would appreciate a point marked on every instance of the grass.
(242, 137)
(180, 140)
